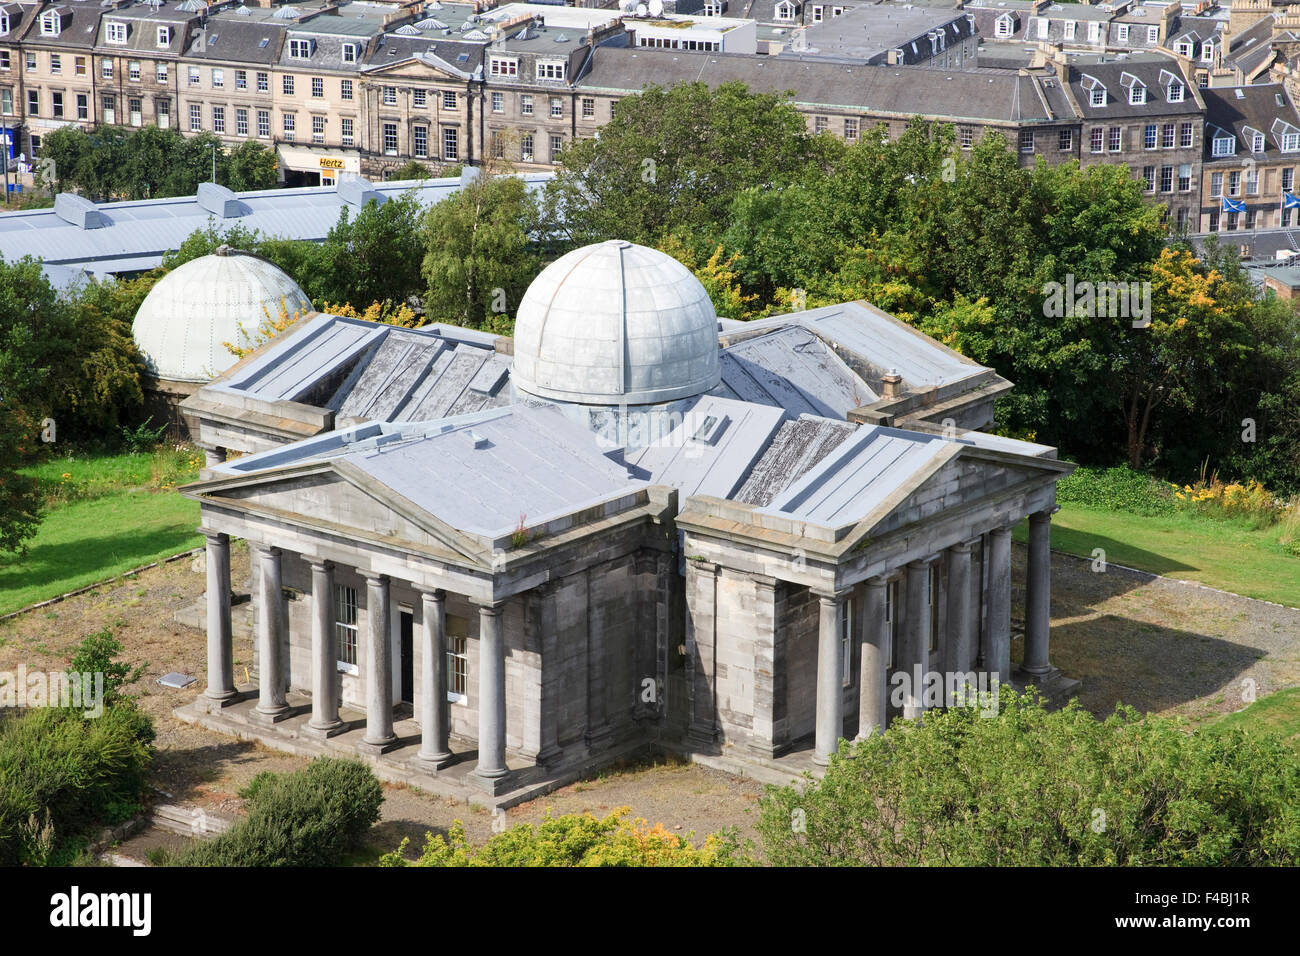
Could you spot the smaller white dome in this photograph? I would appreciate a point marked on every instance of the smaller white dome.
(187, 317)
(616, 323)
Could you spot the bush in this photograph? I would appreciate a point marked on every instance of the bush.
(314, 817)
(1116, 489)
(97, 654)
(61, 773)
(574, 840)
(1032, 787)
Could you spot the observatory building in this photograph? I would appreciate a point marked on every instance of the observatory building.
(494, 564)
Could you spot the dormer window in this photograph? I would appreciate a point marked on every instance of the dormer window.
(1137, 95)
(51, 23)
(1257, 143)
(1207, 53)
(1069, 29)
(784, 10)
(1094, 31)
(1225, 145)
(1098, 96)
(300, 49)
(1044, 25)
(116, 32)
(1184, 48)
(1121, 33)
(164, 36)
(503, 66)
(1176, 90)
(552, 69)
(349, 53)
(1290, 142)
(1153, 35)
(4, 24)
(1005, 26)
(1096, 92)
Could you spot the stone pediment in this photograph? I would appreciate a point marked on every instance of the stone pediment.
(419, 69)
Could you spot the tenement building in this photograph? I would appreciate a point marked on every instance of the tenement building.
(496, 565)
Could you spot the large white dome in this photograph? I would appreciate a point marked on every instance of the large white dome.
(196, 307)
(616, 323)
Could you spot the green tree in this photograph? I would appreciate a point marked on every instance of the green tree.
(250, 166)
(372, 257)
(480, 255)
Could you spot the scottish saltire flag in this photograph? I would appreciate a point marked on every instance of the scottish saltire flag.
(1234, 205)
(1289, 200)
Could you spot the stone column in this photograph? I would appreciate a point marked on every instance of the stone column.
(830, 676)
(491, 769)
(701, 651)
(873, 696)
(325, 720)
(958, 652)
(434, 751)
(221, 661)
(379, 668)
(916, 637)
(998, 660)
(271, 703)
(1038, 583)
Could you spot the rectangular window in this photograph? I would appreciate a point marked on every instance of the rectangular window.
(1026, 140)
(1167, 136)
(289, 125)
(1069, 29)
(557, 144)
(1121, 32)
(349, 53)
(196, 117)
(56, 63)
(1286, 217)
(318, 87)
(1097, 139)
(264, 123)
(498, 145)
(241, 79)
(552, 69)
(1250, 218)
(1175, 92)
(1184, 134)
(1288, 178)
(1043, 26)
(164, 36)
(457, 657)
(164, 113)
(449, 99)
(1153, 35)
(498, 103)
(420, 98)
(1252, 181)
(1232, 222)
(846, 641)
(557, 108)
(300, 49)
(1185, 177)
(160, 72)
(1115, 139)
(263, 82)
(56, 104)
(526, 147)
(1149, 136)
(29, 62)
(450, 143)
(33, 103)
(345, 624)
(1065, 139)
(390, 139)
(116, 32)
(286, 85)
(345, 89)
(318, 129)
(1234, 183)
(891, 622)
(1166, 179)
(1216, 185)
(7, 101)
(1149, 177)
(106, 68)
(503, 66)
(79, 66)
(83, 106)
(934, 608)
(1214, 220)
(390, 96)
(218, 79)
(345, 130)
(241, 122)
(135, 107)
(194, 76)
(821, 124)
(218, 119)
(525, 105)
(850, 130)
(589, 108)
(108, 107)
(133, 71)
(421, 142)
(1137, 95)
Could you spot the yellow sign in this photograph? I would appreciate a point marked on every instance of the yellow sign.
(328, 163)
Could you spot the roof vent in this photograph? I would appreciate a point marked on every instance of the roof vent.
(711, 429)
(219, 201)
(477, 440)
(357, 191)
(78, 210)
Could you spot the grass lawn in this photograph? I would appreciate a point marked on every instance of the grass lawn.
(104, 515)
(1222, 553)
(1277, 713)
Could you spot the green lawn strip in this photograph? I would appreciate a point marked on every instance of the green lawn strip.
(1221, 553)
(85, 542)
(82, 477)
(1277, 714)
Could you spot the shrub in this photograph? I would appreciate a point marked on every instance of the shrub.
(1032, 787)
(61, 773)
(1116, 489)
(97, 654)
(313, 817)
(574, 840)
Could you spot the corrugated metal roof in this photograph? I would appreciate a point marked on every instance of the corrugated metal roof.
(138, 233)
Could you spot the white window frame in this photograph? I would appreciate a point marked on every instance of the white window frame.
(1070, 27)
(1153, 35)
(846, 642)
(116, 33)
(349, 53)
(51, 23)
(1176, 92)
(347, 633)
(1137, 95)
(552, 70)
(1121, 33)
(503, 66)
(784, 12)
(457, 659)
(1097, 96)
(1224, 146)
(163, 36)
(301, 49)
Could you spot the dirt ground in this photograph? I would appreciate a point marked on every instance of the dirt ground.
(1157, 644)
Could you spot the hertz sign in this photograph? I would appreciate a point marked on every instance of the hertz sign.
(328, 163)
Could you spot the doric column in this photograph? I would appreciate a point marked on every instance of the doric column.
(957, 654)
(325, 720)
(830, 676)
(491, 767)
(872, 691)
(1038, 583)
(434, 750)
(379, 667)
(221, 666)
(271, 703)
(916, 637)
(998, 659)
